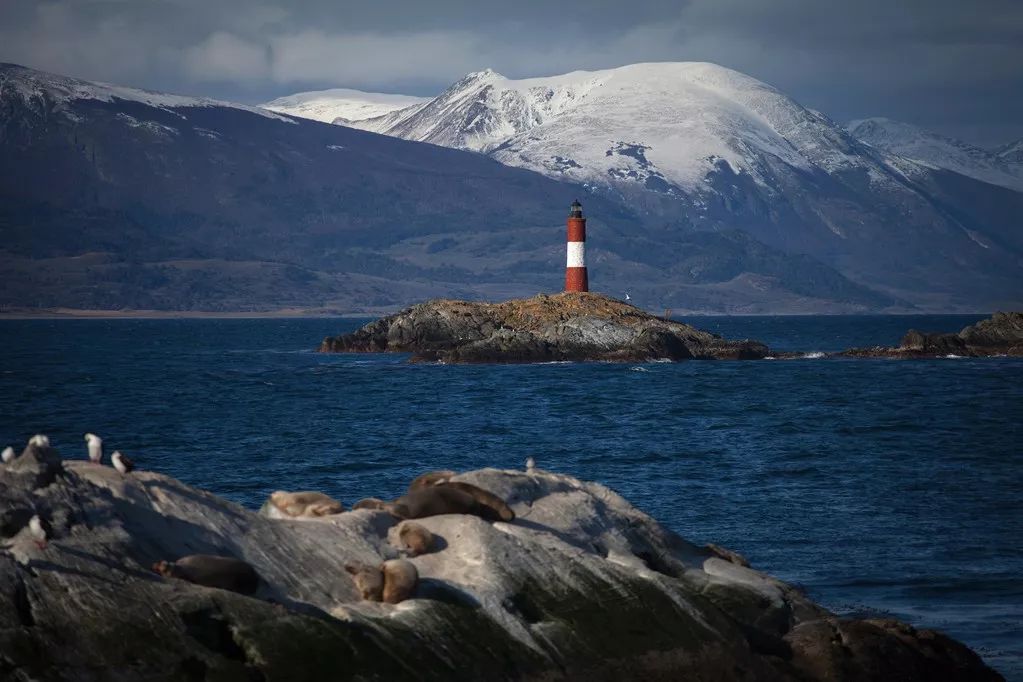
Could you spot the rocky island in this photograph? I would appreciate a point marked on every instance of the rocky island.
(1000, 334)
(576, 584)
(570, 326)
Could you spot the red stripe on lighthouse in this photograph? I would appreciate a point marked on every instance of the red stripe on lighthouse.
(576, 278)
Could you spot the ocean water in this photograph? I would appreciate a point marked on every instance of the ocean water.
(880, 486)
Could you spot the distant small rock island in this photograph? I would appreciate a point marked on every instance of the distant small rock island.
(1000, 334)
(570, 326)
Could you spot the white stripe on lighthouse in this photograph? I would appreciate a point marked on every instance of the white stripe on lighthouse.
(577, 254)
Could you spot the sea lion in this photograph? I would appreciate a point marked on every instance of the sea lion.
(370, 503)
(400, 580)
(727, 555)
(434, 501)
(487, 499)
(414, 538)
(369, 580)
(305, 504)
(221, 572)
(430, 478)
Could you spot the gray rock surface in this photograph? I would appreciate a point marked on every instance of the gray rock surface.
(545, 328)
(1000, 334)
(580, 586)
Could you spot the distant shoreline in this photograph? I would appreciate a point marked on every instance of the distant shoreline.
(311, 313)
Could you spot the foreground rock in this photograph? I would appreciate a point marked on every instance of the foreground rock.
(1001, 334)
(580, 586)
(566, 326)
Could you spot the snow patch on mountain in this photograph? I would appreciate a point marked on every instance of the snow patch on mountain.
(662, 126)
(39, 89)
(341, 103)
(940, 152)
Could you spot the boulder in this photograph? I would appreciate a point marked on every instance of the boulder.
(563, 327)
(581, 585)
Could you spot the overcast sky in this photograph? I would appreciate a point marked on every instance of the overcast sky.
(952, 66)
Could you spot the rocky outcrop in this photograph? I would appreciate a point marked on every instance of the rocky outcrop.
(545, 328)
(1001, 334)
(581, 585)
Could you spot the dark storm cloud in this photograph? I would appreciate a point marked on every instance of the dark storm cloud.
(953, 66)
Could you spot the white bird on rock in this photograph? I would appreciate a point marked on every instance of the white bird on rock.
(39, 441)
(8, 455)
(530, 464)
(37, 531)
(95, 444)
(121, 463)
(627, 297)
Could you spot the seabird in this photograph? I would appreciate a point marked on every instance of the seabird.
(530, 464)
(627, 297)
(95, 448)
(121, 463)
(8, 455)
(37, 531)
(39, 441)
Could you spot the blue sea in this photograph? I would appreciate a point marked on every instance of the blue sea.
(881, 486)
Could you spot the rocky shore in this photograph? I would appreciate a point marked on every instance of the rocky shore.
(545, 328)
(1000, 334)
(579, 584)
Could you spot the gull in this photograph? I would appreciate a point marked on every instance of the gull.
(39, 441)
(121, 463)
(627, 297)
(37, 531)
(8, 455)
(95, 444)
(530, 464)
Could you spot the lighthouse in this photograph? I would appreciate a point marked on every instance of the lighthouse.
(575, 267)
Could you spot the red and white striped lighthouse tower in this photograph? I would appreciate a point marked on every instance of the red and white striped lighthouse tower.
(575, 268)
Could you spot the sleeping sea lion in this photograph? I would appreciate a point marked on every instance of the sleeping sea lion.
(430, 478)
(436, 500)
(486, 498)
(305, 504)
(414, 538)
(400, 580)
(222, 572)
(369, 580)
(392, 582)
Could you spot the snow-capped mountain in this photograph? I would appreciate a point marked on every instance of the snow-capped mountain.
(716, 194)
(703, 146)
(341, 104)
(664, 126)
(938, 151)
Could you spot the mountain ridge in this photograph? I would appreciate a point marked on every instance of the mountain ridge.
(147, 202)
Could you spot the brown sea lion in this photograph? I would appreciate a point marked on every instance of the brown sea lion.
(370, 503)
(728, 555)
(430, 478)
(369, 580)
(222, 572)
(307, 503)
(400, 580)
(485, 498)
(434, 501)
(414, 538)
